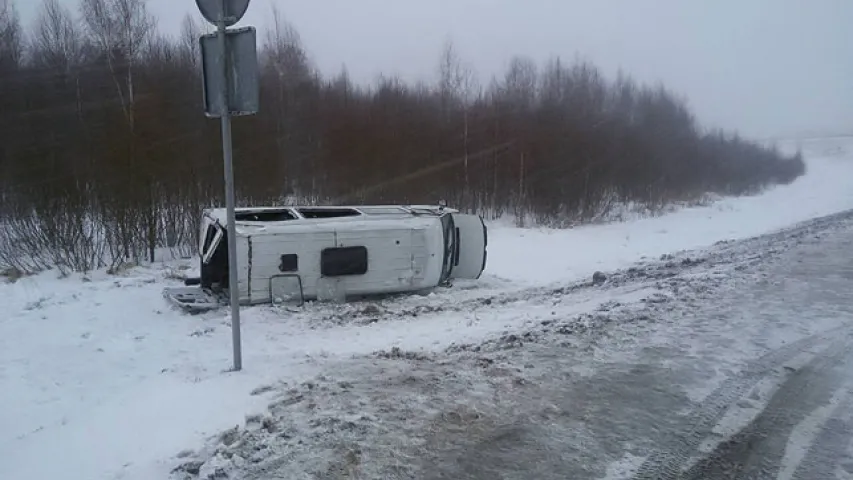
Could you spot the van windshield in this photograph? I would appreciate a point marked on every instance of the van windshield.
(212, 238)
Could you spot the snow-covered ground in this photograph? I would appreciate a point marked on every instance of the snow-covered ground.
(99, 378)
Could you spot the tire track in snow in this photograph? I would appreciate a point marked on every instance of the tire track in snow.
(758, 451)
(669, 464)
(830, 445)
(800, 454)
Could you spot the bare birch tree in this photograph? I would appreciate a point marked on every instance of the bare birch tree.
(520, 82)
(458, 87)
(286, 68)
(121, 29)
(189, 46)
(56, 41)
(11, 41)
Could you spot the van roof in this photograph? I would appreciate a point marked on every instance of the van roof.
(351, 224)
(303, 213)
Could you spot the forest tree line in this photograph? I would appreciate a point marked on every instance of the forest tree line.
(106, 157)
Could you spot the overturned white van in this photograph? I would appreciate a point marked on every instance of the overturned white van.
(332, 253)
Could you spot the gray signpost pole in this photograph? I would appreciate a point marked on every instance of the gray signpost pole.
(233, 289)
(229, 60)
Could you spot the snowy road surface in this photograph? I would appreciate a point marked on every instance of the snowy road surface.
(100, 379)
(735, 363)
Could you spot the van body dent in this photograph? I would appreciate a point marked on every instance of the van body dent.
(331, 253)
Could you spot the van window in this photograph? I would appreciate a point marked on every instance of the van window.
(384, 210)
(320, 212)
(265, 216)
(289, 263)
(337, 262)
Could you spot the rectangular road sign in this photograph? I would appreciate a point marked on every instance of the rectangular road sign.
(241, 55)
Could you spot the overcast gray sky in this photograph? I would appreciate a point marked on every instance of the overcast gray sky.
(764, 67)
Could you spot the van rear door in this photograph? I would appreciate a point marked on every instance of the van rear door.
(471, 241)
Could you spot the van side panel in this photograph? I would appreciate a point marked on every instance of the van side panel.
(399, 260)
(266, 260)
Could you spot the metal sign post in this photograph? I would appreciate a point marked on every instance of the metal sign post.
(227, 153)
(230, 71)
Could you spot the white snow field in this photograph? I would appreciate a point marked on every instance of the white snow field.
(101, 379)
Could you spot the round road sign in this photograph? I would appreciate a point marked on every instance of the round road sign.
(231, 10)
